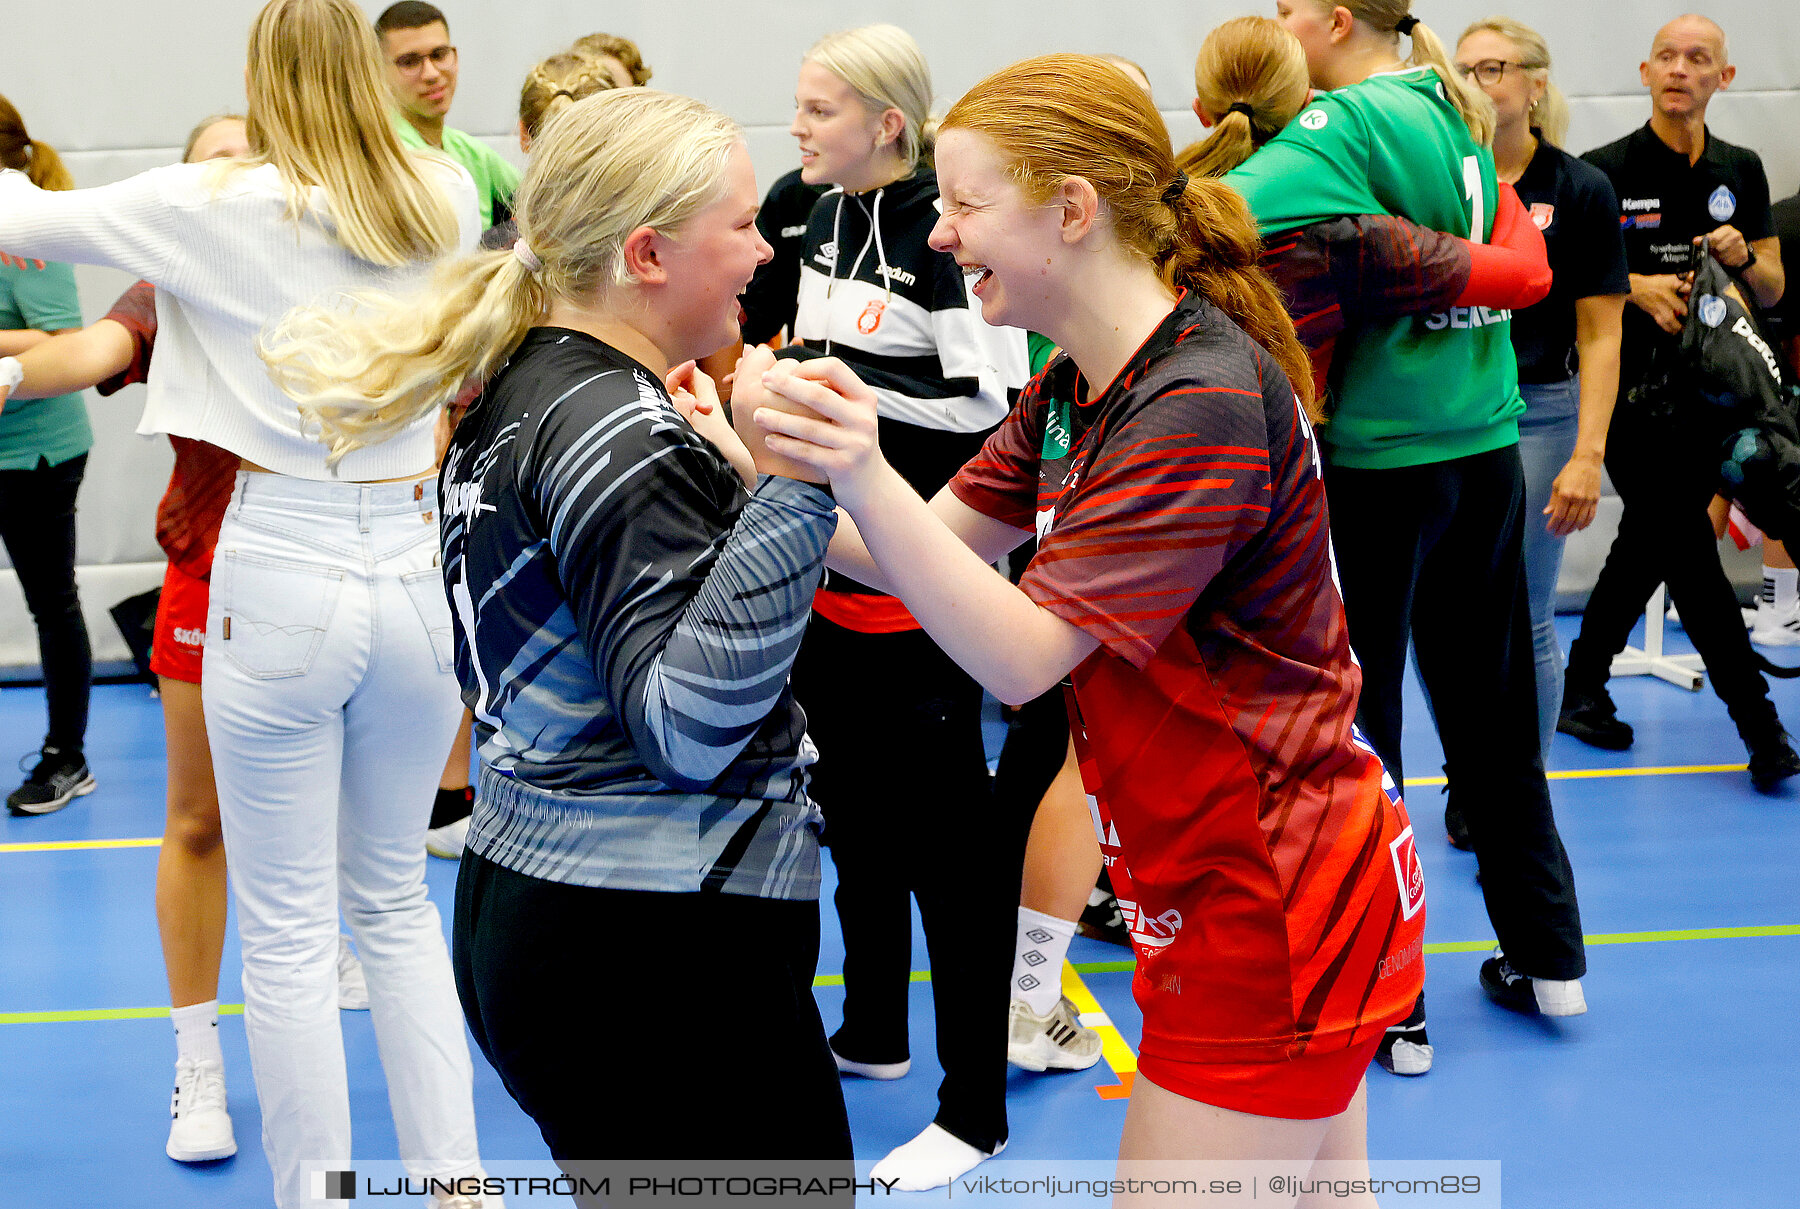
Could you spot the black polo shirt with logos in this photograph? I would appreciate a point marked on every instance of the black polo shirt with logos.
(1664, 204)
(1573, 204)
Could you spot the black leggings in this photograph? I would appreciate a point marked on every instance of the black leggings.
(37, 525)
(1431, 554)
(723, 1056)
(902, 778)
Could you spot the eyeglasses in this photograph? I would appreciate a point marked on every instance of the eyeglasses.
(1492, 71)
(412, 65)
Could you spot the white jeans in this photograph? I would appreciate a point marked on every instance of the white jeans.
(330, 705)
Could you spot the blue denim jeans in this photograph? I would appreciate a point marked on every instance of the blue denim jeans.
(330, 705)
(1546, 441)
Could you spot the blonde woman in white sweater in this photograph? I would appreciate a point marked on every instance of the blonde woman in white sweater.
(327, 686)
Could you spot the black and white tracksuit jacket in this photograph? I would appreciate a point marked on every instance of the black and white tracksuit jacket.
(873, 293)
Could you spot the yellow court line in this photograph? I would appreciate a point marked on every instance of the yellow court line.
(1116, 1051)
(1567, 774)
(1118, 1054)
(154, 841)
(1592, 774)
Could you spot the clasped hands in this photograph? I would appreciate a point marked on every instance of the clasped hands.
(812, 420)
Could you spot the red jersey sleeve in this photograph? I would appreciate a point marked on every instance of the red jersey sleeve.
(1002, 480)
(1169, 497)
(135, 311)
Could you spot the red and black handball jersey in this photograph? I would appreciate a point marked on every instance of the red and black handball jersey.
(1260, 852)
(193, 506)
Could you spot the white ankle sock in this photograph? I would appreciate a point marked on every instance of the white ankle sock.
(1043, 942)
(197, 1032)
(931, 1160)
(1781, 587)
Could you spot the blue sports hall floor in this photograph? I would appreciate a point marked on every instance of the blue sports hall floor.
(1680, 1087)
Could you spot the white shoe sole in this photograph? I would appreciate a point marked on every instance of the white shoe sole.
(1559, 998)
(872, 1070)
(54, 804)
(447, 842)
(221, 1149)
(1041, 1053)
(1777, 636)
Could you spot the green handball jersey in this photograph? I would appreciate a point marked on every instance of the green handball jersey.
(1426, 388)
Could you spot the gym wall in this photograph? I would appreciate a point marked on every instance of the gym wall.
(116, 86)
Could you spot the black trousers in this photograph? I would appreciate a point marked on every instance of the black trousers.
(724, 1056)
(37, 525)
(1666, 538)
(1431, 554)
(902, 778)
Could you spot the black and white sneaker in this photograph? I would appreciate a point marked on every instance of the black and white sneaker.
(57, 780)
(1405, 1050)
(1530, 996)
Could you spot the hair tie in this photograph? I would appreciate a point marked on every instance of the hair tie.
(1176, 188)
(1242, 107)
(1405, 25)
(522, 251)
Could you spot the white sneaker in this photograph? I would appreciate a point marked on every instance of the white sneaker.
(199, 1126)
(353, 987)
(1559, 998)
(448, 841)
(872, 1070)
(1776, 627)
(1058, 1041)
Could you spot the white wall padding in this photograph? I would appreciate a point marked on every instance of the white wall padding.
(116, 86)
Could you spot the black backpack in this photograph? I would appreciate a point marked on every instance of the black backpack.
(1725, 387)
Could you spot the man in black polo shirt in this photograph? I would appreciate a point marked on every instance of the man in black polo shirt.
(1677, 184)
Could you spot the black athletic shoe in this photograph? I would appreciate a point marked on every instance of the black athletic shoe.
(1772, 761)
(1456, 828)
(57, 780)
(1405, 1051)
(1592, 718)
(1103, 920)
(1530, 996)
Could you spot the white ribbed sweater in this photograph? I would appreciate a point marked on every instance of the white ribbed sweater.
(226, 262)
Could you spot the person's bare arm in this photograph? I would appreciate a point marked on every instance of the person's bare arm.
(14, 341)
(74, 360)
(1575, 493)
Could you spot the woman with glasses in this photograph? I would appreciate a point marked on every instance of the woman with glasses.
(1422, 460)
(1567, 345)
(326, 680)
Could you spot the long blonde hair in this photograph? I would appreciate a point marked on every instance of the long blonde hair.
(609, 164)
(1250, 61)
(1551, 111)
(319, 114)
(1385, 16)
(1059, 116)
(884, 66)
(557, 83)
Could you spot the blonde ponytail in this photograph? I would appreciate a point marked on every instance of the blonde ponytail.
(1469, 101)
(1393, 18)
(1247, 62)
(366, 373)
(609, 164)
(1059, 116)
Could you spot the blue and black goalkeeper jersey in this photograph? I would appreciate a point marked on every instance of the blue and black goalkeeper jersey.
(626, 616)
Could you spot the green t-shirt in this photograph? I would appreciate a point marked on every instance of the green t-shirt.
(54, 429)
(496, 180)
(1426, 388)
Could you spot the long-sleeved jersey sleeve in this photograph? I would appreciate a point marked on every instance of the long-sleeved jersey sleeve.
(692, 598)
